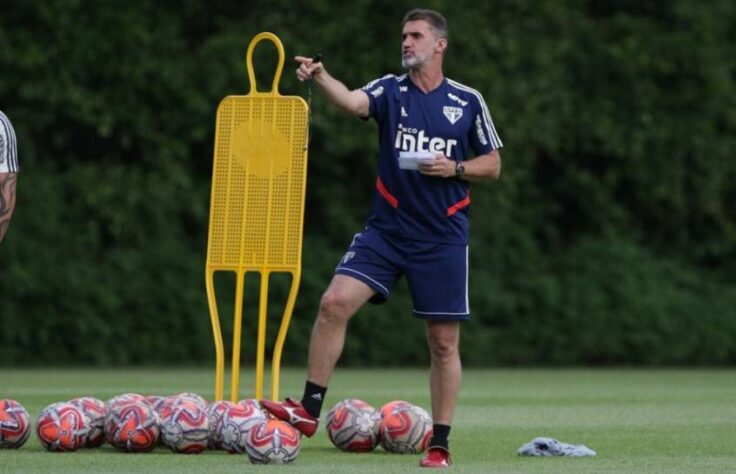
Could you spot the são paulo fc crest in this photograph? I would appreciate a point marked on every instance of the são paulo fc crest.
(453, 114)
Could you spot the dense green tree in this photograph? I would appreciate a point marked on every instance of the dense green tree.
(610, 238)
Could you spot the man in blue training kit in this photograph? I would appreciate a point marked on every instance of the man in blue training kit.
(419, 223)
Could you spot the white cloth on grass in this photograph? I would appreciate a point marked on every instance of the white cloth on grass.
(551, 447)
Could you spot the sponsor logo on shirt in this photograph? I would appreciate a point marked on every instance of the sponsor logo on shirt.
(377, 92)
(457, 99)
(412, 139)
(453, 114)
(403, 112)
(403, 88)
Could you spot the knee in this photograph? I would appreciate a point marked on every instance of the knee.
(333, 308)
(443, 347)
(443, 343)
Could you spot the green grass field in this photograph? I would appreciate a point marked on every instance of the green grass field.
(637, 420)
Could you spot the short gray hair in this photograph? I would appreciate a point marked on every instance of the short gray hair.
(435, 20)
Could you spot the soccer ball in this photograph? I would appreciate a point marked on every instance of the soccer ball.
(123, 399)
(95, 412)
(132, 427)
(389, 407)
(186, 430)
(272, 442)
(165, 407)
(155, 401)
(15, 424)
(353, 425)
(191, 397)
(252, 407)
(236, 422)
(62, 427)
(406, 429)
(215, 412)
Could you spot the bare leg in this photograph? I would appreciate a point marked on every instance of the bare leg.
(341, 300)
(443, 338)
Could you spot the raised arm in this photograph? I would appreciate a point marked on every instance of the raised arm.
(354, 102)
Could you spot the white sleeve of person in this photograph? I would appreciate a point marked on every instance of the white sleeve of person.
(8, 148)
(551, 447)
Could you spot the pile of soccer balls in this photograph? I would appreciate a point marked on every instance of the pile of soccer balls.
(184, 423)
(399, 426)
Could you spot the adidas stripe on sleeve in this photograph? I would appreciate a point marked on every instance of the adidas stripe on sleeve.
(485, 137)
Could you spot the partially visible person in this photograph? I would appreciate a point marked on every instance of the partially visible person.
(8, 172)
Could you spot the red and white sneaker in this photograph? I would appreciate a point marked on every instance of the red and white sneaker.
(436, 457)
(293, 413)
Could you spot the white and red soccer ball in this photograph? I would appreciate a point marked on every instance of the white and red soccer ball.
(132, 426)
(273, 442)
(15, 424)
(215, 412)
(164, 406)
(186, 429)
(236, 421)
(353, 425)
(62, 427)
(155, 401)
(191, 397)
(123, 399)
(94, 410)
(405, 428)
(388, 408)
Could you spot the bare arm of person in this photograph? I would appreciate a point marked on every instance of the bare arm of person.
(480, 168)
(8, 183)
(483, 167)
(354, 102)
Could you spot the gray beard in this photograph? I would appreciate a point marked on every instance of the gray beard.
(413, 62)
(410, 63)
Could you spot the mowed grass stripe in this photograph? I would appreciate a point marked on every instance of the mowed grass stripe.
(644, 421)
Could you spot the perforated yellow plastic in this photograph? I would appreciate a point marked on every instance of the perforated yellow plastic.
(257, 209)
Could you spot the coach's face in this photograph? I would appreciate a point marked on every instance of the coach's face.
(419, 45)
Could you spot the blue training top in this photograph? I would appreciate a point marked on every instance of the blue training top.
(452, 119)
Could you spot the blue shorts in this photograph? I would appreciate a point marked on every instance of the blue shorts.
(437, 273)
